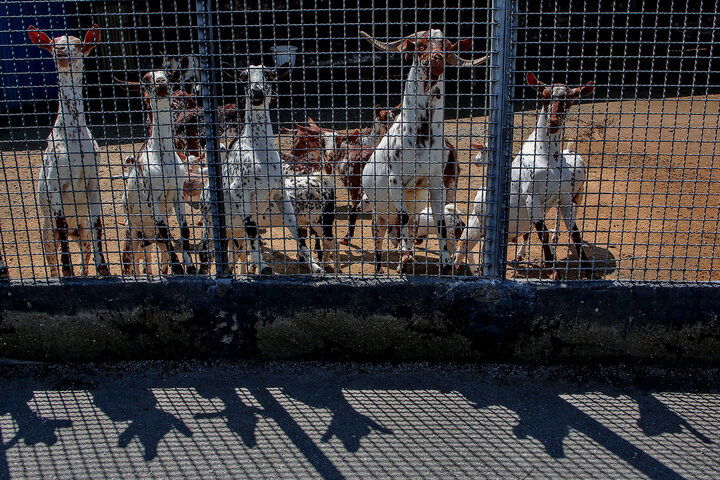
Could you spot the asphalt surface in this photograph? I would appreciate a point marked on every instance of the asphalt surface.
(296, 420)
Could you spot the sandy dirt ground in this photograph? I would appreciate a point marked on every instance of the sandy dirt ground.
(650, 210)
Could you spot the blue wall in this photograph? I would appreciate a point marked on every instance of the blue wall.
(28, 72)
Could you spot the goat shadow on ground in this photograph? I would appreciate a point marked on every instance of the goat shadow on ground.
(603, 264)
(347, 424)
(129, 401)
(546, 416)
(30, 427)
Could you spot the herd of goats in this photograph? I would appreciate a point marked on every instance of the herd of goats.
(402, 170)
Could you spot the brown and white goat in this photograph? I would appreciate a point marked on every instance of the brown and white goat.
(542, 177)
(409, 161)
(154, 184)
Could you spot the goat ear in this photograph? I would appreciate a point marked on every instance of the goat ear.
(243, 76)
(40, 39)
(462, 45)
(534, 82)
(407, 46)
(92, 37)
(378, 111)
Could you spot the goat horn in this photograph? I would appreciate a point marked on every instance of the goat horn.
(127, 84)
(391, 46)
(456, 59)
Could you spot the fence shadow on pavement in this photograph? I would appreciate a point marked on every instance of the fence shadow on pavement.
(335, 422)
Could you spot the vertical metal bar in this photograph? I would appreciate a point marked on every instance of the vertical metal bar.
(209, 79)
(500, 139)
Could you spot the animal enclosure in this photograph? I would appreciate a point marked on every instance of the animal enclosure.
(560, 141)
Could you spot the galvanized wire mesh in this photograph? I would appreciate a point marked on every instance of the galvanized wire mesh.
(646, 136)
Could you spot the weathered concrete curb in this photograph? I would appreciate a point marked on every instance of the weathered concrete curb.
(412, 319)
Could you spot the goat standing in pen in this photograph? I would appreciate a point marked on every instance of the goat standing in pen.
(576, 166)
(252, 176)
(541, 178)
(154, 183)
(410, 159)
(68, 187)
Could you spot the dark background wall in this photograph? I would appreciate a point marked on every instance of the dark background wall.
(631, 48)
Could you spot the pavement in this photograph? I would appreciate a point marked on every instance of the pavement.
(312, 420)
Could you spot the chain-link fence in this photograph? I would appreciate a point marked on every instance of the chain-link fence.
(173, 152)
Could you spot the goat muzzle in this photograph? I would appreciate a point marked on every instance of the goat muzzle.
(257, 97)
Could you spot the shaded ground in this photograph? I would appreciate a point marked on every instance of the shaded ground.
(650, 211)
(290, 420)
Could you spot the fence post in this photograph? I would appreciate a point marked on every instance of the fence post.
(209, 79)
(500, 138)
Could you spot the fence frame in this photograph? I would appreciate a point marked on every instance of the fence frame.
(502, 50)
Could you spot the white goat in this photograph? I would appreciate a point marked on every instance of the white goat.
(540, 179)
(154, 184)
(252, 176)
(68, 187)
(576, 164)
(410, 160)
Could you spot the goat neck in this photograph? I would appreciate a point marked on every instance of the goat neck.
(71, 109)
(423, 100)
(546, 142)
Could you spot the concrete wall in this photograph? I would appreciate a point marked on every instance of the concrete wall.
(377, 320)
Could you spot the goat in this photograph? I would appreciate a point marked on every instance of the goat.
(475, 229)
(315, 147)
(189, 68)
(409, 159)
(453, 220)
(154, 183)
(576, 164)
(252, 177)
(189, 126)
(312, 196)
(541, 178)
(68, 187)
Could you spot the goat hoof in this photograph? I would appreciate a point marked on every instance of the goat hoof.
(266, 270)
(204, 270)
(67, 272)
(556, 276)
(103, 270)
(192, 270)
(178, 269)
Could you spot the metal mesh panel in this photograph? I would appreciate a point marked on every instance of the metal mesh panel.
(334, 76)
(646, 135)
